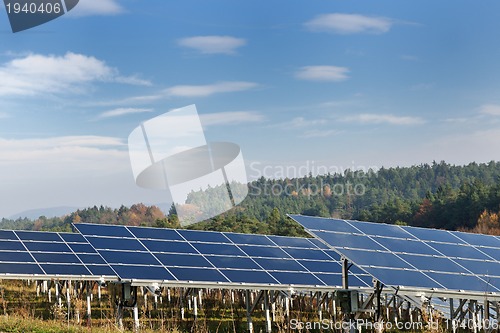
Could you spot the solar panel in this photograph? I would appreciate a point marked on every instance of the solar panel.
(413, 257)
(49, 255)
(184, 256)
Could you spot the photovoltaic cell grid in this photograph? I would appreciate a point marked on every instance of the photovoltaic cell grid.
(49, 254)
(137, 253)
(413, 257)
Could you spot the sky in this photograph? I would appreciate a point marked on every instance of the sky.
(300, 85)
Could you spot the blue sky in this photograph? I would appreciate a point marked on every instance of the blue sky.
(304, 84)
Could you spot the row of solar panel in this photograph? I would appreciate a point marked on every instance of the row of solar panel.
(414, 257)
(49, 253)
(135, 253)
(186, 255)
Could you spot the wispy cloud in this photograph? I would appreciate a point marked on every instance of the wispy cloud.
(371, 118)
(322, 73)
(97, 7)
(65, 148)
(490, 109)
(349, 24)
(37, 74)
(209, 89)
(4, 115)
(301, 122)
(122, 111)
(319, 133)
(231, 118)
(213, 44)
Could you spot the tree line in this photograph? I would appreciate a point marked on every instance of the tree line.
(438, 195)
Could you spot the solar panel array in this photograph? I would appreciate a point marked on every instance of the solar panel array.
(169, 256)
(413, 257)
(49, 254)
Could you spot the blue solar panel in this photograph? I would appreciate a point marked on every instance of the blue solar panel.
(244, 276)
(398, 277)
(459, 251)
(103, 230)
(438, 264)
(216, 257)
(307, 254)
(7, 234)
(56, 258)
(378, 229)
(65, 269)
(81, 248)
(200, 236)
(39, 236)
(73, 238)
(168, 246)
(279, 264)
(188, 260)
(477, 239)
(297, 278)
(249, 239)
(219, 249)
(262, 251)
(45, 254)
(487, 268)
(155, 233)
(47, 247)
(406, 246)
(12, 246)
(128, 258)
(131, 272)
(232, 262)
(461, 282)
(349, 241)
(318, 223)
(116, 243)
(432, 235)
(16, 257)
(90, 259)
(198, 274)
(321, 266)
(415, 257)
(20, 268)
(292, 242)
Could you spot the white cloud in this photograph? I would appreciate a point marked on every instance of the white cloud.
(322, 73)
(371, 118)
(349, 24)
(37, 74)
(490, 109)
(97, 7)
(301, 122)
(122, 111)
(213, 44)
(4, 115)
(231, 118)
(66, 150)
(209, 89)
(319, 133)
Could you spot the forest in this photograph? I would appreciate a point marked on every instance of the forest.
(437, 195)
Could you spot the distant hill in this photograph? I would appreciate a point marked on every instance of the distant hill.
(33, 214)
